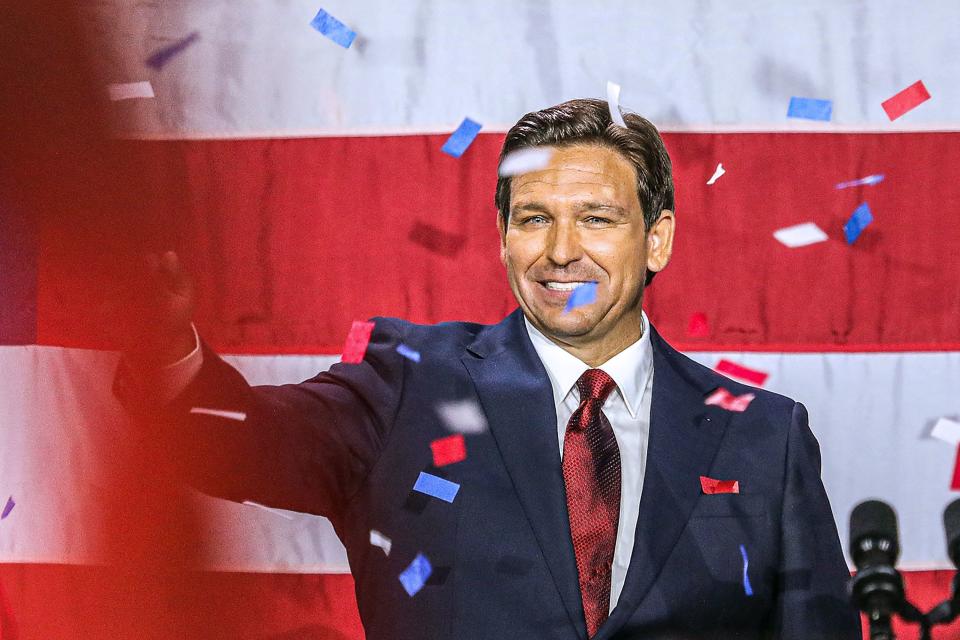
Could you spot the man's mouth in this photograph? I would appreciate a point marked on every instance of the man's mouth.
(555, 285)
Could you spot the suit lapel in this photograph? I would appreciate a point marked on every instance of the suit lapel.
(515, 392)
(684, 438)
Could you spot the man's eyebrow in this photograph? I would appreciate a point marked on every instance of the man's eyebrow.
(601, 206)
(531, 206)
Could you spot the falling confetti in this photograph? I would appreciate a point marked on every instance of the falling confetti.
(726, 400)
(415, 576)
(710, 487)
(716, 174)
(357, 340)
(333, 29)
(461, 139)
(907, 100)
(448, 450)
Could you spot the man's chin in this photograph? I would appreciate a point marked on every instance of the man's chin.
(563, 328)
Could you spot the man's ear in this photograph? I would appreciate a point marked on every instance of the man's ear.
(502, 228)
(660, 241)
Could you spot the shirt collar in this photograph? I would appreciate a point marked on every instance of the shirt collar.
(630, 369)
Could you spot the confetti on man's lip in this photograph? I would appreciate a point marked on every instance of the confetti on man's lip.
(129, 90)
(726, 400)
(810, 109)
(408, 353)
(584, 294)
(355, 346)
(461, 139)
(162, 56)
(800, 235)
(857, 223)
(523, 161)
(869, 180)
(613, 103)
(377, 539)
(437, 240)
(415, 576)
(7, 508)
(462, 416)
(239, 416)
(734, 370)
(436, 487)
(946, 430)
(698, 326)
(711, 486)
(907, 100)
(747, 589)
(448, 450)
(716, 174)
(333, 29)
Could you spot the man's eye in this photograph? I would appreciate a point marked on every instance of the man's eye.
(597, 220)
(534, 220)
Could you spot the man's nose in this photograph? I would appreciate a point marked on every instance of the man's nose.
(563, 244)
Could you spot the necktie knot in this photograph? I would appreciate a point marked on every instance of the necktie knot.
(595, 384)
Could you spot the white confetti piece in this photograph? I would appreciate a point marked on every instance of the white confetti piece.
(275, 512)
(613, 102)
(239, 416)
(377, 539)
(462, 416)
(716, 174)
(800, 235)
(129, 90)
(947, 430)
(523, 161)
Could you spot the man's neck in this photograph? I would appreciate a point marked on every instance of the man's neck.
(595, 353)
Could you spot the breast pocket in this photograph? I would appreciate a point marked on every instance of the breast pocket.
(729, 505)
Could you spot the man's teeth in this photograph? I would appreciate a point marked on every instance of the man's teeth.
(564, 286)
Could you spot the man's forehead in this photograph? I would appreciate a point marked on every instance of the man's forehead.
(583, 172)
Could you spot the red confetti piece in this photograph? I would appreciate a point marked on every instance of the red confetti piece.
(711, 486)
(726, 400)
(357, 341)
(697, 327)
(908, 99)
(734, 370)
(955, 483)
(448, 450)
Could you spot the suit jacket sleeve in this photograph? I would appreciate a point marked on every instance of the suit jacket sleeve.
(812, 601)
(306, 447)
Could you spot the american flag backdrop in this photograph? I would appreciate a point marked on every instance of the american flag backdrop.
(304, 185)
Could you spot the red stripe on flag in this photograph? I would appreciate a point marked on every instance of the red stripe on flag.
(292, 239)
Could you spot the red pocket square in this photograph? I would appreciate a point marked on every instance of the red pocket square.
(711, 486)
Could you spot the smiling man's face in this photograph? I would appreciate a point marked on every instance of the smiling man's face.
(579, 220)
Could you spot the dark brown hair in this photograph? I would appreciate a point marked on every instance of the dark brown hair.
(587, 121)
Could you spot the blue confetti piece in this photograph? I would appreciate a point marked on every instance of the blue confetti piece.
(857, 223)
(408, 353)
(584, 294)
(810, 109)
(416, 575)
(462, 138)
(436, 487)
(747, 589)
(8, 508)
(869, 180)
(333, 29)
(160, 57)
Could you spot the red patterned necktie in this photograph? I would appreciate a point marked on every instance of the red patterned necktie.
(591, 474)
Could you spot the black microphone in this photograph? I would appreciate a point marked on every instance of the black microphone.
(947, 611)
(951, 525)
(877, 589)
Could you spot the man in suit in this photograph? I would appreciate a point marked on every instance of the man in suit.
(584, 509)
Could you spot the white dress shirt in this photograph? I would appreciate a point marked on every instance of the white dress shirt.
(628, 411)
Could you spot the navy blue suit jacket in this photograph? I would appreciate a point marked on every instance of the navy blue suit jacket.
(350, 443)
